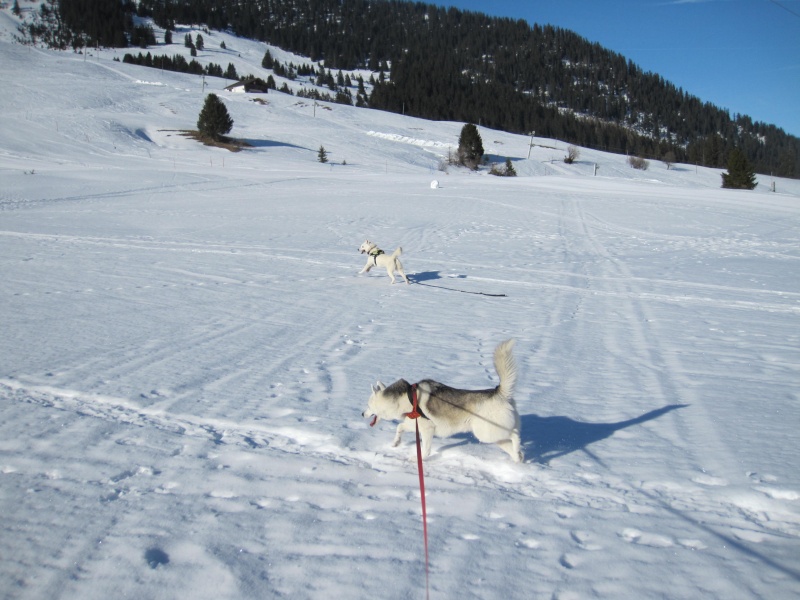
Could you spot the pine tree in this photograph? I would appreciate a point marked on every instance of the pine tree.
(199, 43)
(740, 175)
(470, 147)
(322, 155)
(214, 120)
(510, 172)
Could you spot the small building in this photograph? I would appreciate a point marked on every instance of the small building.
(237, 88)
(251, 85)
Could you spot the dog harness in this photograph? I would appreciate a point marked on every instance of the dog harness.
(416, 411)
(375, 253)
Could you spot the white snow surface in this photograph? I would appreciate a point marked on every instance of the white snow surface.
(186, 350)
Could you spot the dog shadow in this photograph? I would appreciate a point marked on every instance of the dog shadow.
(426, 276)
(548, 438)
(431, 276)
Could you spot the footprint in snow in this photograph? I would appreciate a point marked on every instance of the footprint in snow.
(693, 544)
(654, 540)
(570, 561)
(121, 476)
(582, 538)
(710, 480)
(779, 494)
(156, 557)
(747, 535)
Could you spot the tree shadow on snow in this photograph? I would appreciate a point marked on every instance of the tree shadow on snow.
(273, 144)
(500, 160)
(547, 438)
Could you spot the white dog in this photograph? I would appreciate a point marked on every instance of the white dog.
(491, 415)
(377, 258)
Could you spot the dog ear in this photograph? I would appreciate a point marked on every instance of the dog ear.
(378, 387)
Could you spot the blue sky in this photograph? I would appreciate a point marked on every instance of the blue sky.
(741, 55)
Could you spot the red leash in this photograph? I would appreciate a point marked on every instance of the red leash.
(415, 414)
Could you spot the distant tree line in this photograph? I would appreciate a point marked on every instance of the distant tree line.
(78, 23)
(181, 65)
(466, 66)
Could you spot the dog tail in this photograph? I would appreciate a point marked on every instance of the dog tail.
(506, 368)
(397, 252)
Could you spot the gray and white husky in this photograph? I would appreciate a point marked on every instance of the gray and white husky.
(377, 258)
(491, 415)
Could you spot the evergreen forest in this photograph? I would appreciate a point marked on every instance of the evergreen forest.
(447, 64)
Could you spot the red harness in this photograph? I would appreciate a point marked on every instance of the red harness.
(416, 411)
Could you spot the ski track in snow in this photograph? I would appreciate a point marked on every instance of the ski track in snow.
(187, 349)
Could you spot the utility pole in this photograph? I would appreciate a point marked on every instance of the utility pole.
(530, 146)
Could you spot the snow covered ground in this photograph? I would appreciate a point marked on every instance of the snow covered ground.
(186, 350)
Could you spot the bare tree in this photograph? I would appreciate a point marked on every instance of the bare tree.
(572, 155)
(638, 162)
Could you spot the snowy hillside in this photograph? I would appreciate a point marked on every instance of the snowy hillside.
(187, 348)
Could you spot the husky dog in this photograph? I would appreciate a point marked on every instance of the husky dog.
(377, 258)
(491, 415)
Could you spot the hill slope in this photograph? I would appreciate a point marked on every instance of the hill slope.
(452, 65)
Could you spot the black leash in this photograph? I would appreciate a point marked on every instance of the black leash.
(441, 287)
